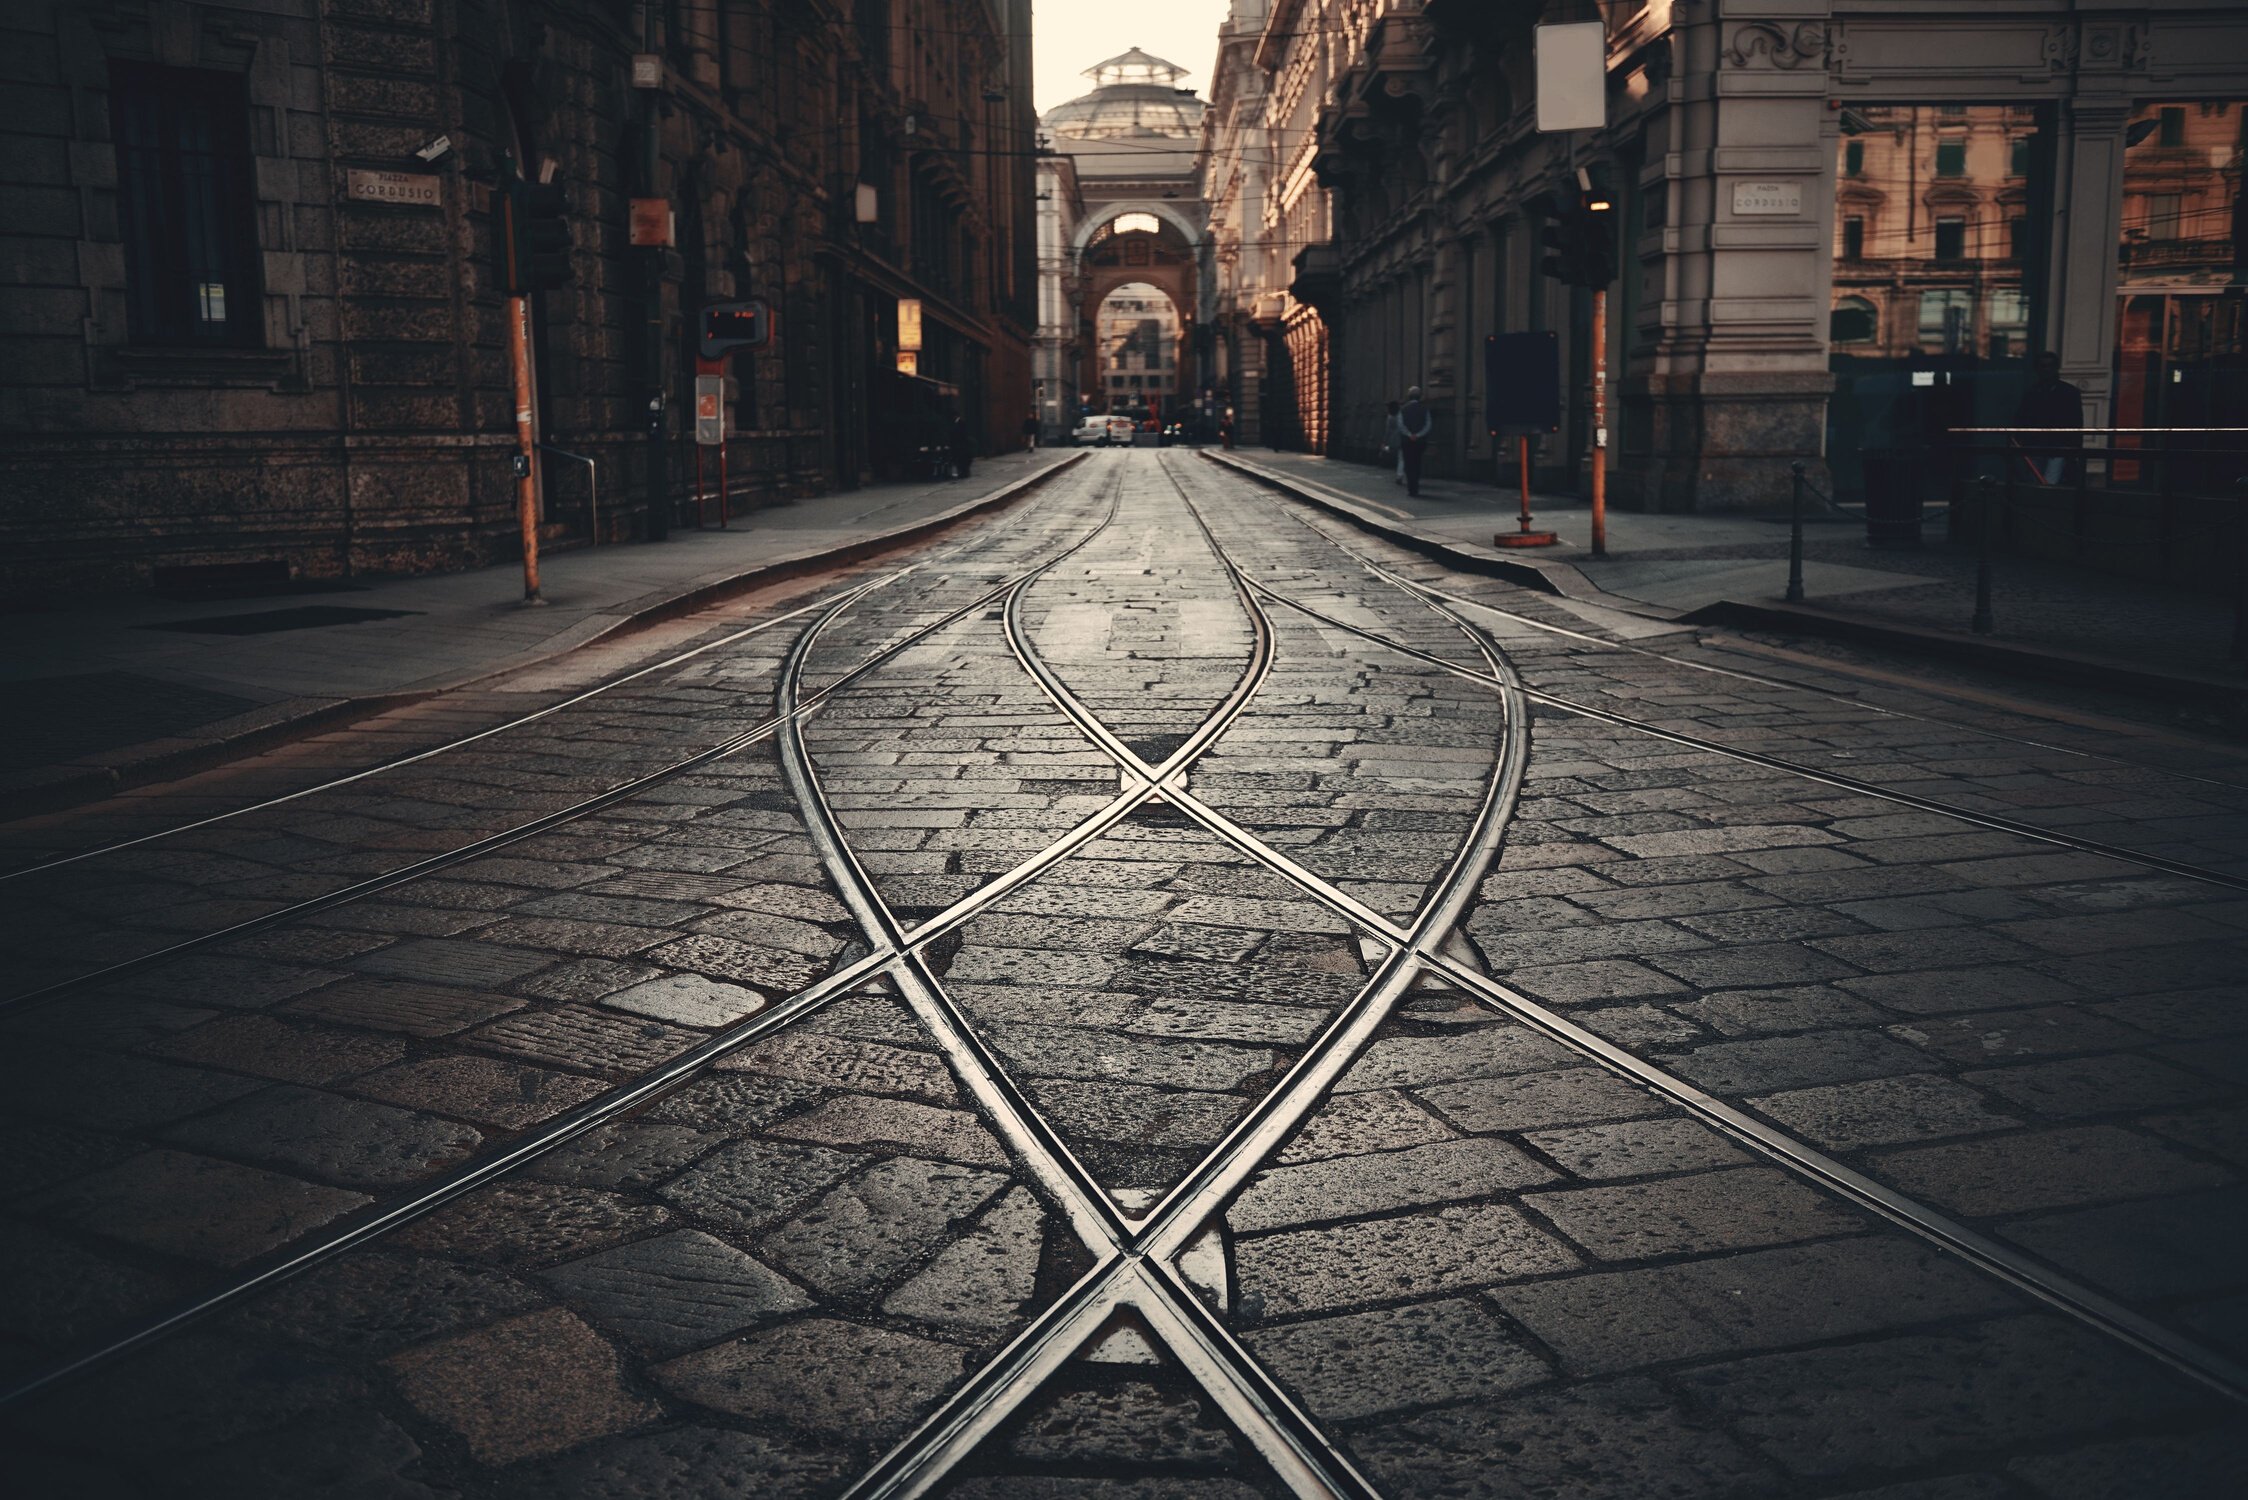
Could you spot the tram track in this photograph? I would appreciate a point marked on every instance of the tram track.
(1991, 821)
(1037, 485)
(1137, 1270)
(1598, 643)
(1136, 1266)
(436, 864)
(562, 1128)
(2205, 1366)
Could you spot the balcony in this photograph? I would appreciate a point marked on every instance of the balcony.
(1319, 276)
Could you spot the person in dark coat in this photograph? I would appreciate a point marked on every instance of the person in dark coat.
(2050, 402)
(963, 448)
(1414, 425)
(1030, 429)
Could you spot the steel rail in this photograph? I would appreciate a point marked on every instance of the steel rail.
(533, 717)
(545, 823)
(381, 1219)
(1991, 821)
(1278, 1430)
(1289, 1438)
(2212, 1369)
(1414, 586)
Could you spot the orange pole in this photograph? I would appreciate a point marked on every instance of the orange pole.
(1525, 450)
(526, 442)
(1600, 422)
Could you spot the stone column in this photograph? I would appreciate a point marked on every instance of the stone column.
(2080, 323)
(1740, 384)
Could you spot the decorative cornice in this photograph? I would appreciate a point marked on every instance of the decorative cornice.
(1775, 44)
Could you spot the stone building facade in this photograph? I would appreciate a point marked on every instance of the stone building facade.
(252, 311)
(1845, 224)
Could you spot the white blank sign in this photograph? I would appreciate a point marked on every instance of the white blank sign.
(1573, 76)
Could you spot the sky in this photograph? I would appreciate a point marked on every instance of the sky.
(1069, 36)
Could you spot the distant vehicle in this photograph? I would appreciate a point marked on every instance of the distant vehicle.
(1100, 432)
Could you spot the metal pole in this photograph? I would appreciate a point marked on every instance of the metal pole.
(725, 501)
(2240, 572)
(1600, 421)
(526, 443)
(1983, 624)
(658, 480)
(1795, 535)
(1524, 468)
(698, 488)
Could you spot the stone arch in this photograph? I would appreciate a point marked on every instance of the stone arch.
(1172, 282)
(1094, 223)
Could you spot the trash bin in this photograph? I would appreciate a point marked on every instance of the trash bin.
(1892, 478)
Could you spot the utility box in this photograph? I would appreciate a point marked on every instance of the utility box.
(1521, 383)
(710, 410)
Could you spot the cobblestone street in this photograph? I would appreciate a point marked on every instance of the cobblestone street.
(1154, 993)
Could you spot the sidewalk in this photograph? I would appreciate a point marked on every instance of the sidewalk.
(2052, 620)
(119, 690)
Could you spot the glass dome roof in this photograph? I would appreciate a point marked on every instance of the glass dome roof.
(1134, 93)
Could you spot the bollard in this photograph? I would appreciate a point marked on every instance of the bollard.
(1795, 535)
(1982, 623)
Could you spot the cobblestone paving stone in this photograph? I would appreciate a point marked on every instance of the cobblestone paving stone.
(1483, 1264)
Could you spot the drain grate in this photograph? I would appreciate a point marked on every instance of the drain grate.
(269, 621)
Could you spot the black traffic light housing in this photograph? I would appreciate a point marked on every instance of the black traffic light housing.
(726, 326)
(534, 236)
(1579, 235)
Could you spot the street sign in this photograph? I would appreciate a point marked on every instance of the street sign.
(909, 322)
(710, 410)
(417, 188)
(1573, 76)
(652, 224)
(1522, 379)
(735, 325)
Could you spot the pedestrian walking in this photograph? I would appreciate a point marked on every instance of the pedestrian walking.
(1414, 424)
(1391, 448)
(2050, 402)
(1030, 430)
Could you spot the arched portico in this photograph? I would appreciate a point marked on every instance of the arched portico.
(1112, 252)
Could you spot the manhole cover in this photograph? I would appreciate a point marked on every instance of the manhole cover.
(268, 621)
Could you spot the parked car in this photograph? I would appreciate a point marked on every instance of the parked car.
(1101, 432)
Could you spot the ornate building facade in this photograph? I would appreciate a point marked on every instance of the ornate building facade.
(1121, 195)
(254, 312)
(1841, 221)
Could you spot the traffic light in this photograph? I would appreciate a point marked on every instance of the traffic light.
(1579, 236)
(1596, 231)
(734, 325)
(534, 239)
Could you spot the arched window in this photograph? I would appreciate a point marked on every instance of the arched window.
(1854, 321)
(1136, 224)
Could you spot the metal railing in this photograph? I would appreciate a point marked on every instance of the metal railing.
(2024, 456)
(592, 482)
